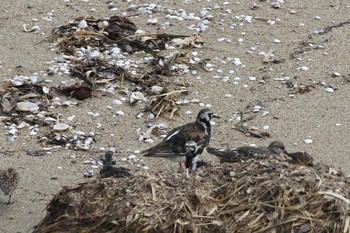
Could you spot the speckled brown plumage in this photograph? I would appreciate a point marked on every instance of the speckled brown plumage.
(8, 182)
(238, 154)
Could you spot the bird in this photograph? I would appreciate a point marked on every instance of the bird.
(173, 145)
(8, 182)
(231, 155)
(192, 157)
(109, 169)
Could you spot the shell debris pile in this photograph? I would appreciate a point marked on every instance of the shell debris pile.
(105, 52)
(260, 196)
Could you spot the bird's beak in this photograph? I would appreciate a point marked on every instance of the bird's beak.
(215, 116)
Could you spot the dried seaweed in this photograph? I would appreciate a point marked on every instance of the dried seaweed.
(104, 35)
(260, 196)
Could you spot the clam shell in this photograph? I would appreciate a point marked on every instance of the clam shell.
(27, 106)
(61, 127)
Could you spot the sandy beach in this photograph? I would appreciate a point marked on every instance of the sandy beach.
(303, 89)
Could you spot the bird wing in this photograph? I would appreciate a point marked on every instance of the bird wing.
(174, 142)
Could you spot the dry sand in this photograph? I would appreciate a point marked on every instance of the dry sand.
(291, 120)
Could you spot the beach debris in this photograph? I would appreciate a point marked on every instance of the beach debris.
(321, 191)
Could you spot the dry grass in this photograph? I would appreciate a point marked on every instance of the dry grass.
(264, 196)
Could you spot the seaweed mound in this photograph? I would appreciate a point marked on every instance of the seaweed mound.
(253, 196)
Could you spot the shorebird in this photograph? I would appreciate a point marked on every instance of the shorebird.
(109, 168)
(232, 155)
(174, 143)
(8, 182)
(192, 157)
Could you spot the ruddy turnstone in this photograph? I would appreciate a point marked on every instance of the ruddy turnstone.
(8, 182)
(174, 143)
(232, 155)
(110, 170)
(192, 157)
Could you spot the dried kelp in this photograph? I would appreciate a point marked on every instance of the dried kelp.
(260, 196)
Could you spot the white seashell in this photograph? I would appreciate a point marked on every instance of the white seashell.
(46, 90)
(135, 97)
(151, 116)
(120, 113)
(61, 127)
(162, 125)
(228, 95)
(117, 102)
(188, 113)
(49, 120)
(146, 168)
(88, 141)
(256, 108)
(70, 118)
(152, 21)
(308, 141)
(156, 89)
(335, 74)
(329, 90)
(303, 68)
(22, 125)
(237, 61)
(266, 127)
(12, 131)
(252, 78)
(27, 106)
(265, 113)
(33, 133)
(82, 24)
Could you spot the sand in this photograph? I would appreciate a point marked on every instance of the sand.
(319, 115)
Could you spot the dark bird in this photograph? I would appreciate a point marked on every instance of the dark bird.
(109, 168)
(8, 182)
(173, 145)
(231, 155)
(192, 157)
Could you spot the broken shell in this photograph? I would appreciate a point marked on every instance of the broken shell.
(35, 29)
(135, 97)
(46, 90)
(156, 89)
(27, 106)
(60, 127)
(82, 24)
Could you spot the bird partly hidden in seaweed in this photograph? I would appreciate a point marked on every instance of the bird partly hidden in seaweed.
(109, 169)
(174, 144)
(231, 155)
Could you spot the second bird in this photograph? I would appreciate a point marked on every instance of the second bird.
(232, 155)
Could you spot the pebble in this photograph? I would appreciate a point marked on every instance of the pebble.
(120, 113)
